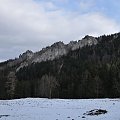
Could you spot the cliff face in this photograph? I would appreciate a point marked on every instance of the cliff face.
(59, 49)
(9, 68)
(52, 52)
(81, 69)
(87, 40)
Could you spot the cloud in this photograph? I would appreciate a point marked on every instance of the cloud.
(1, 60)
(27, 24)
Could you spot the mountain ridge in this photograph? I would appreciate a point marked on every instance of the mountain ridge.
(52, 52)
(88, 68)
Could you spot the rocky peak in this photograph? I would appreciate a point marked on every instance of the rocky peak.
(24, 59)
(87, 40)
(52, 52)
(71, 44)
(26, 55)
(58, 44)
(88, 37)
(49, 53)
(59, 49)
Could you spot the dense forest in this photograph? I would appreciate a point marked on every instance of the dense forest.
(88, 72)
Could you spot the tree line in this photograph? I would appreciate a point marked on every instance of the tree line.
(88, 72)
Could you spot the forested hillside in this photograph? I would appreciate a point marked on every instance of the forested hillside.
(92, 71)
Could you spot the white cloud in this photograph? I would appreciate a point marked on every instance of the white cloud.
(25, 24)
(1, 60)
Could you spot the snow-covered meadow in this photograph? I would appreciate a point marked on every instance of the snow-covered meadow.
(58, 109)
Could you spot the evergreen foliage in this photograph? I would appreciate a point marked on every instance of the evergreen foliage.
(89, 72)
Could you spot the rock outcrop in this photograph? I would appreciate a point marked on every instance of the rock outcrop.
(52, 52)
(69, 71)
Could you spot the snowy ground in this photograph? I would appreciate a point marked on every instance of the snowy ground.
(58, 109)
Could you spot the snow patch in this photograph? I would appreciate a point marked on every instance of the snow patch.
(58, 109)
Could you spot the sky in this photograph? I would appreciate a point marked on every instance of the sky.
(34, 24)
